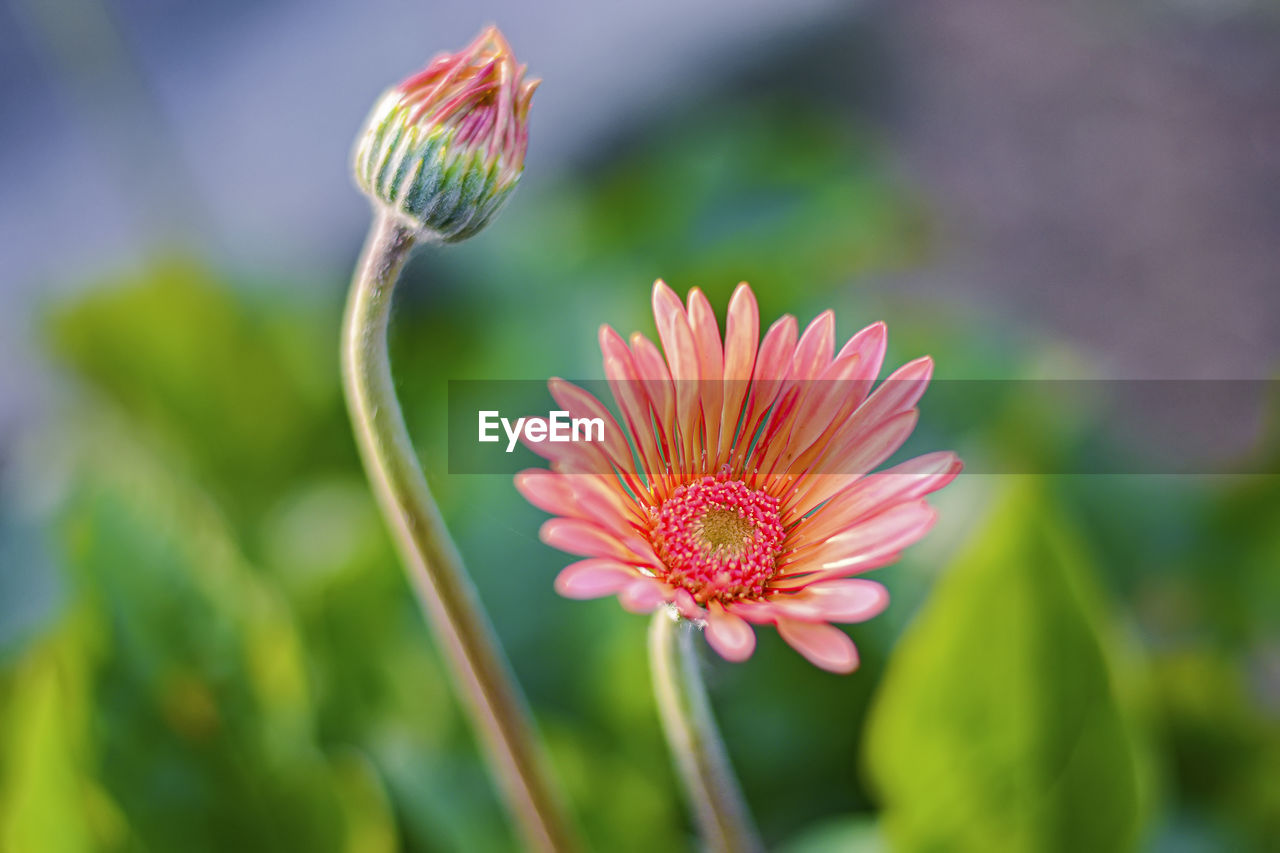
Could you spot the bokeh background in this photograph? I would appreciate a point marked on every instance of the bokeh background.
(205, 641)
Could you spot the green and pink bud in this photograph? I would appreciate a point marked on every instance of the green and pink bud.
(445, 148)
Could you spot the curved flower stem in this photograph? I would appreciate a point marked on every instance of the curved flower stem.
(431, 559)
(699, 753)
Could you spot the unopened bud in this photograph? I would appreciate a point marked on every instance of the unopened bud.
(446, 147)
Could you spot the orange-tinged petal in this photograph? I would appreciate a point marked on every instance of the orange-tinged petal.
(842, 600)
(547, 491)
(813, 351)
(594, 578)
(582, 404)
(706, 338)
(870, 344)
(822, 645)
(773, 360)
(910, 480)
(686, 606)
(586, 540)
(729, 635)
(643, 596)
(900, 391)
(741, 335)
(682, 358)
(850, 462)
(852, 550)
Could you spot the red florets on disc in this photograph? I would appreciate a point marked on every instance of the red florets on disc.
(718, 539)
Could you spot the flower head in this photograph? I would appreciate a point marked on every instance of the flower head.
(446, 147)
(740, 491)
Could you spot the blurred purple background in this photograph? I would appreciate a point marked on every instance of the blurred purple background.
(1105, 172)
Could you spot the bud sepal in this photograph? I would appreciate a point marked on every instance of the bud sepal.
(445, 148)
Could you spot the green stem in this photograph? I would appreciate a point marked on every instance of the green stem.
(431, 559)
(723, 818)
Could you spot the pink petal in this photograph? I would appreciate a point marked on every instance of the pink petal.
(802, 574)
(900, 391)
(741, 335)
(684, 602)
(862, 547)
(599, 498)
(674, 332)
(592, 497)
(845, 600)
(822, 645)
(870, 344)
(643, 596)
(547, 491)
(661, 389)
(631, 394)
(813, 352)
(654, 371)
(908, 481)
(706, 336)
(891, 530)
(729, 635)
(857, 454)
(594, 578)
(584, 539)
(580, 403)
(869, 448)
(830, 399)
(682, 357)
(772, 362)
(579, 456)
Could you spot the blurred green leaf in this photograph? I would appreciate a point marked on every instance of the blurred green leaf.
(245, 396)
(203, 727)
(51, 800)
(852, 834)
(998, 726)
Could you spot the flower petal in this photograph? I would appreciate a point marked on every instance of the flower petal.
(579, 404)
(741, 336)
(773, 359)
(706, 337)
(643, 595)
(729, 635)
(870, 345)
(822, 645)
(813, 351)
(891, 530)
(684, 602)
(674, 332)
(632, 395)
(848, 459)
(586, 540)
(594, 578)
(682, 357)
(900, 391)
(547, 491)
(844, 600)
(802, 574)
(874, 493)
(862, 547)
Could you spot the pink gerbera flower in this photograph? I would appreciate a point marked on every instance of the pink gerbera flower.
(739, 492)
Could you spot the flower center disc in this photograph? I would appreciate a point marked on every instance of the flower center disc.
(718, 539)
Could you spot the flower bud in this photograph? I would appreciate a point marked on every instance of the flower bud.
(446, 147)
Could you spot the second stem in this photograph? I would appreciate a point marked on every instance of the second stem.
(429, 555)
(724, 822)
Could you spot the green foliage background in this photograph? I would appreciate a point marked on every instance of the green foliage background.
(230, 658)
